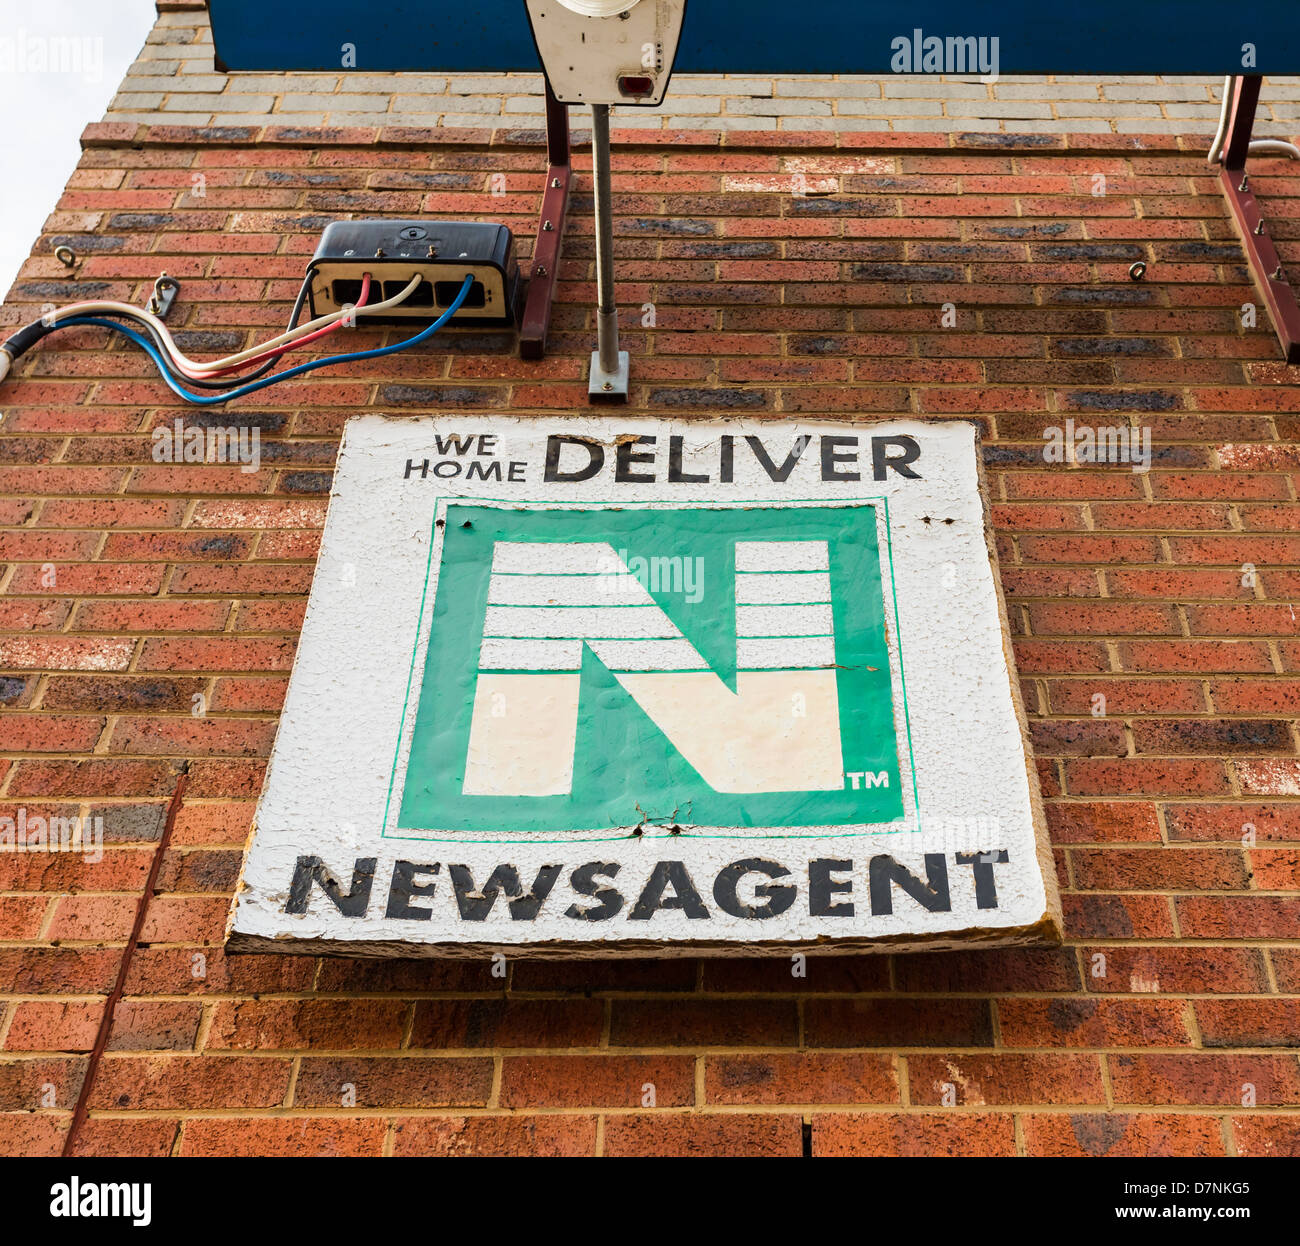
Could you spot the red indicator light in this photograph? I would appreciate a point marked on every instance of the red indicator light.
(636, 86)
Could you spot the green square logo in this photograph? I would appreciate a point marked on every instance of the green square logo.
(646, 666)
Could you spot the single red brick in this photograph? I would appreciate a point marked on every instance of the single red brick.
(1196, 656)
(297, 1136)
(803, 1078)
(597, 1081)
(1176, 970)
(120, 694)
(988, 972)
(58, 971)
(1094, 737)
(96, 778)
(260, 1025)
(925, 1134)
(819, 974)
(1117, 917)
(21, 917)
(1105, 619)
(49, 1025)
(964, 1079)
(184, 1082)
(898, 1023)
(105, 918)
(1158, 868)
(1248, 1022)
(151, 616)
(119, 869)
(218, 777)
(110, 1137)
(1269, 776)
(1116, 1134)
(26, 1135)
(1238, 917)
(583, 976)
(1255, 696)
(1089, 1022)
(1176, 582)
(417, 976)
(217, 653)
(1076, 483)
(703, 1023)
(209, 971)
(1256, 619)
(1233, 735)
(698, 1135)
(1089, 548)
(1234, 823)
(28, 1084)
(1160, 516)
(1144, 777)
(1210, 1080)
(270, 616)
(388, 1083)
(1096, 822)
(226, 823)
(442, 1023)
(1054, 657)
(194, 737)
(1275, 869)
(1267, 1134)
(238, 695)
(185, 919)
(516, 1134)
(154, 1025)
(65, 653)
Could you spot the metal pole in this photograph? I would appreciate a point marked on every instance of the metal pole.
(609, 365)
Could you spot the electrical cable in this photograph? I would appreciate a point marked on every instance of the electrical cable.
(230, 382)
(216, 399)
(26, 337)
(278, 352)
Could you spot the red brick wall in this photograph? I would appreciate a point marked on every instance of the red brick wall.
(173, 580)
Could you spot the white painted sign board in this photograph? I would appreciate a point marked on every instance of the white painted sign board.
(628, 686)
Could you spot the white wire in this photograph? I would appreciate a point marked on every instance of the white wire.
(199, 370)
(1217, 145)
(1274, 147)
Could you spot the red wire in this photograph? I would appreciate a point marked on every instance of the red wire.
(277, 351)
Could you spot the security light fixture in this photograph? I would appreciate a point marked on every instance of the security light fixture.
(607, 51)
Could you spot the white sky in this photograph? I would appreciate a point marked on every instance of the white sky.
(44, 112)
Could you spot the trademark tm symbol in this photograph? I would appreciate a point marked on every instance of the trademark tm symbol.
(859, 779)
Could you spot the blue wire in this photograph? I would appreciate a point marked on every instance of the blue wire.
(212, 400)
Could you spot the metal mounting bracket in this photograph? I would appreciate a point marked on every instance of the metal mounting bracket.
(165, 290)
(1261, 255)
(536, 319)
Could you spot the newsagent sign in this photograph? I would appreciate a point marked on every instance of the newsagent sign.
(625, 686)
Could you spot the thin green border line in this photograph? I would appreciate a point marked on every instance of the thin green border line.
(667, 504)
(410, 675)
(902, 674)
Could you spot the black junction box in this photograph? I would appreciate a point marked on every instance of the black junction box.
(442, 253)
